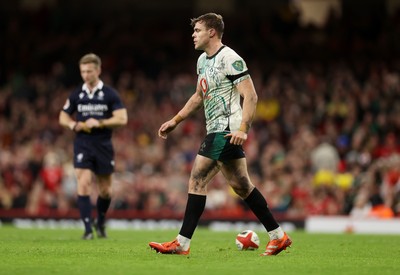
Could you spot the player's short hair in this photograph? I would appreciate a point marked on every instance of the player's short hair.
(90, 58)
(211, 21)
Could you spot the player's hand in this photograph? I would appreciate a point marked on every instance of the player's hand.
(81, 126)
(166, 128)
(92, 123)
(237, 138)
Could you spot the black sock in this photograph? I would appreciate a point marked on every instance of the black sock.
(85, 208)
(194, 208)
(258, 205)
(102, 206)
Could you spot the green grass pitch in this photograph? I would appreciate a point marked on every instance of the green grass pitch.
(60, 251)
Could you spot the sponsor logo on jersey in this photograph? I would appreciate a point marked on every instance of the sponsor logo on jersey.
(92, 107)
(204, 85)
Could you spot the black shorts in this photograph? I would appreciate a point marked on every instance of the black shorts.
(97, 156)
(215, 146)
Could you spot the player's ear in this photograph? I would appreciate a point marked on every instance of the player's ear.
(212, 32)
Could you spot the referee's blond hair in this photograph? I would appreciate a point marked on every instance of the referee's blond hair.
(90, 58)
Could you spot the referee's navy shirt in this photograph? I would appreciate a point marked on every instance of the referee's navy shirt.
(99, 105)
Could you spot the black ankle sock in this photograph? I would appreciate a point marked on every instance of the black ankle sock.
(259, 206)
(194, 208)
(85, 210)
(102, 206)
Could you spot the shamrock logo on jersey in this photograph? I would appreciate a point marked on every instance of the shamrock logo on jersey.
(238, 65)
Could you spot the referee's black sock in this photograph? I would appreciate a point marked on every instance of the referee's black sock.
(85, 208)
(102, 206)
(194, 208)
(259, 206)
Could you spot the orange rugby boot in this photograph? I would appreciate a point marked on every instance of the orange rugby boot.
(274, 247)
(169, 248)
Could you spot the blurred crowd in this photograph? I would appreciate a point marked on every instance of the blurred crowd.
(325, 140)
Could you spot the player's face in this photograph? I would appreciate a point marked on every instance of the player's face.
(201, 36)
(90, 73)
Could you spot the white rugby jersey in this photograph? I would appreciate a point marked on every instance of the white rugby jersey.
(218, 76)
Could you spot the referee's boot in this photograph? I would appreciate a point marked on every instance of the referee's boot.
(100, 231)
(87, 236)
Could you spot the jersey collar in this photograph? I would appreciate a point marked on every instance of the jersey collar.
(220, 49)
(98, 87)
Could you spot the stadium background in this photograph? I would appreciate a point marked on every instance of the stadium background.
(325, 140)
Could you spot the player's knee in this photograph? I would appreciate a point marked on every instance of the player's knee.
(105, 192)
(84, 187)
(243, 193)
(242, 187)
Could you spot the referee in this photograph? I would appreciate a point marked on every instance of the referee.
(98, 110)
